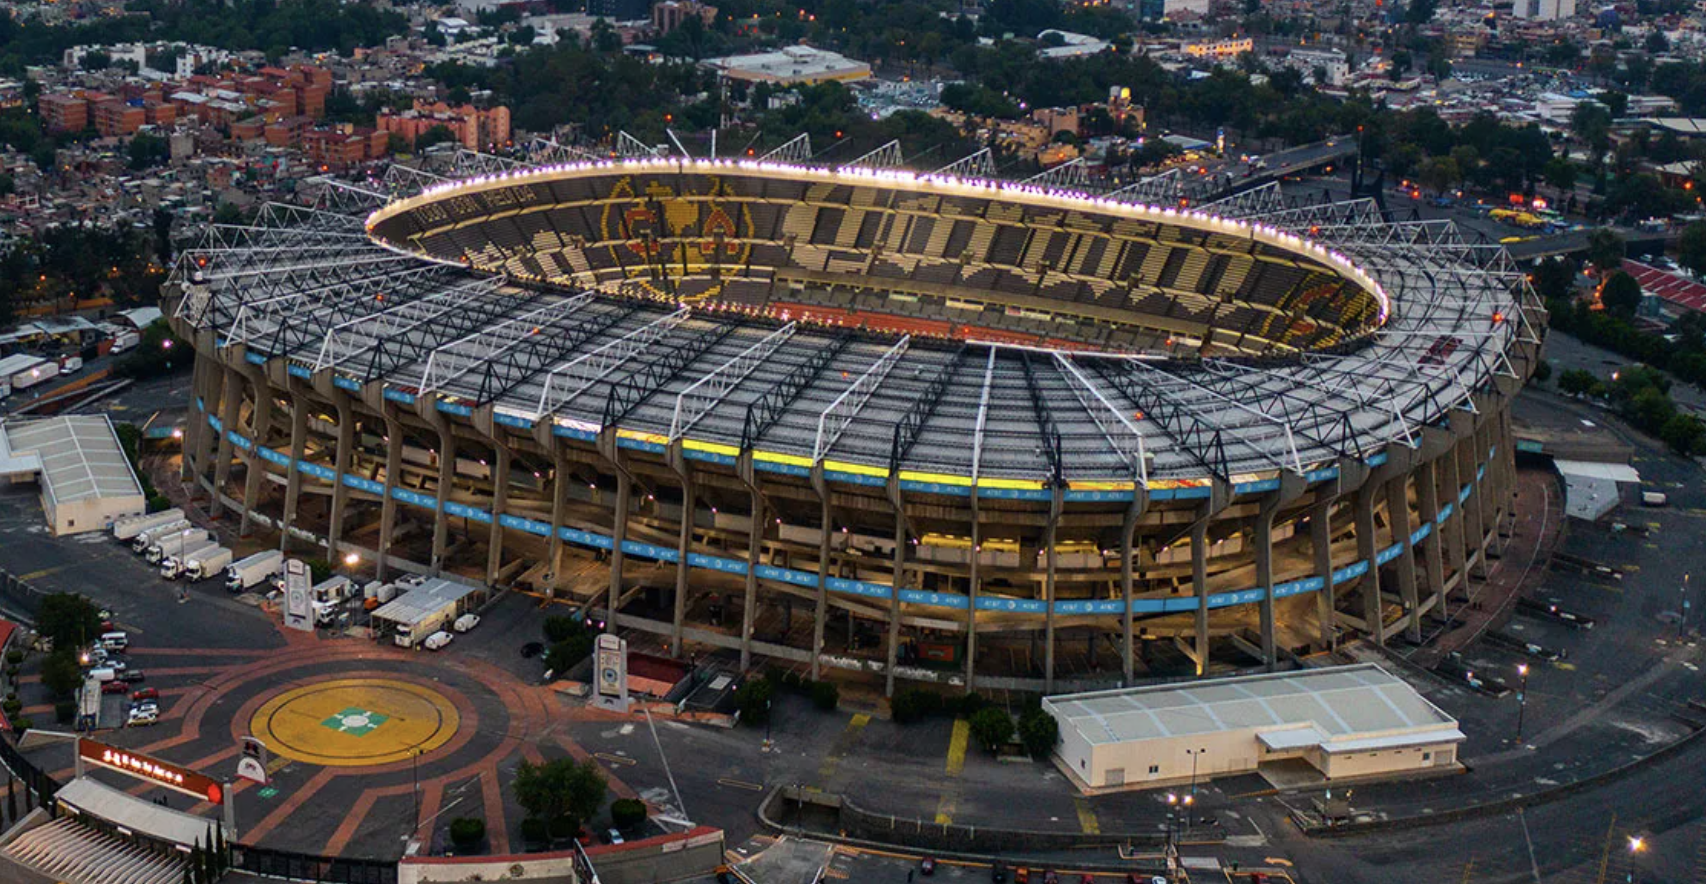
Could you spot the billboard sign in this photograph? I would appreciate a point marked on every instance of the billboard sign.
(252, 764)
(298, 612)
(152, 770)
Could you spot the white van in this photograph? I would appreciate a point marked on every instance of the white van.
(437, 640)
(103, 674)
(466, 622)
(114, 641)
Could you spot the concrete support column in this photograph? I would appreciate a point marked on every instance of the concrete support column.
(559, 512)
(388, 506)
(821, 614)
(198, 434)
(1265, 575)
(1128, 534)
(1452, 540)
(1398, 516)
(1049, 559)
(501, 457)
(619, 536)
(293, 474)
(340, 465)
(446, 484)
(754, 551)
(898, 580)
(1321, 545)
(689, 507)
(1366, 549)
(976, 553)
(1427, 501)
(1199, 583)
(230, 398)
(260, 432)
(1473, 455)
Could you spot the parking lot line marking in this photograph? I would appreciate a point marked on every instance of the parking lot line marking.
(1087, 817)
(945, 809)
(614, 759)
(957, 747)
(740, 784)
(832, 758)
(37, 575)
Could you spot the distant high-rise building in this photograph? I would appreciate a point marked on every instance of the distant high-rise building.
(1544, 10)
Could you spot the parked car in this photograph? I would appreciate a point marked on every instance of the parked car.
(114, 687)
(132, 676)
(614, 836)
(145, 694)
(142, 717)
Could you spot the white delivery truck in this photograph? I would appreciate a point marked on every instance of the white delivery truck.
(252, 571)
(174, 543)
(376, 593)
(141, 541)
(207, 564)
(130, 526)
(70, 364)
(125, 340)
(172, 565)
(22, 370)
(328, 597)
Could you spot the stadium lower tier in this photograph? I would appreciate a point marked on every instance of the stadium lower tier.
(908, 580)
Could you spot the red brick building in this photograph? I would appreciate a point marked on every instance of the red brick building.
(474, 128)
(63, 112)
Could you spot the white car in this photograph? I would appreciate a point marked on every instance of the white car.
(437, 640)
(141, 717)
(466, 622)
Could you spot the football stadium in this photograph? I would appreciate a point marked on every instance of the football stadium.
(918, 426)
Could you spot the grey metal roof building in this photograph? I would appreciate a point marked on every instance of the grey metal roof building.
(86, 480)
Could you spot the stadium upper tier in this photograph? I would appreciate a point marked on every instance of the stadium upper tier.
(893, 248)
(877, 322)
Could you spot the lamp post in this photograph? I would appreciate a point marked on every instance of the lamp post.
(1637, 844)
(1682, 619)
(1194, 753)
(1521, 698)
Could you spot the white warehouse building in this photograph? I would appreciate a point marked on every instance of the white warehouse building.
(1354, 721)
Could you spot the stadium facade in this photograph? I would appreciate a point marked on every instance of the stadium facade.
(975, 432)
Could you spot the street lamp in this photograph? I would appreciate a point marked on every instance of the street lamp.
(1637, 844)
(1194, 753)
(1521, 698)
(352, 559)
(1682, 619)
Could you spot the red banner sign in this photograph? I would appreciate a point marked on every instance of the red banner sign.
(153, 770)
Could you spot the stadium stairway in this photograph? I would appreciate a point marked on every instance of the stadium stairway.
(68, 851)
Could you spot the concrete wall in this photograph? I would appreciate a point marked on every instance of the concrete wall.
(1171, 758)
(1387, 761)
(90, 514)
(553, 868)
(689, 855)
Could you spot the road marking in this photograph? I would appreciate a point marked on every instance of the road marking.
(843, 743)
(945, 809)
(277, 764)
(957, 747)
(740, 784)
(1087, 817)
(613, 759)
(1564, 666)
(37, 575)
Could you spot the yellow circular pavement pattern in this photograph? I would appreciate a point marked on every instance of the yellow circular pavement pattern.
(355, 722)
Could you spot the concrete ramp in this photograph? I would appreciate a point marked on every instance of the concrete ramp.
(785, 861)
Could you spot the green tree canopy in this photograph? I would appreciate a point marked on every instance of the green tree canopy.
(563, 789)
(992, 727)
(1621, 294)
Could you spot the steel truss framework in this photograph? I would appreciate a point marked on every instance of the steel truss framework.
(304, 284)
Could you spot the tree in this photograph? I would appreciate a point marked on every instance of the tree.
(626, 813)
(1039, 732)
(1438, 174)
(60, 673)
(1400, 64)
(754, 699)
(1621, 294)
(1555, 278)
(1578, 382)
(1605, 250)
(467, 832)
(228, 214)
(992, 727)
(439, 134)
(396, 144)
(825, 695)
(563, 789)
(1420, 12)
(69, 620)
(1685, 434)
(1691, 248)
(147, 150)
(568, 653)
(1591, 122)
(1542, 371)
(1560, 174)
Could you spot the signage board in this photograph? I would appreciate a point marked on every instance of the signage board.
(152, 770)
(611, 671)
(252, 764)
(298, 612)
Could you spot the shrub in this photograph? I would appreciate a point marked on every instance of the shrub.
(467, 832)
(965, 705)
(22, 724)
(914, 704)
(992, 728)
(564, 655)
(562, 827)
(1039, 732)
(12, 707)
(59, 672)
(14, 656)
(794, 681)
(534, 830)
(754, 698)
(64, 711)
(825, 695)
(625, 813)
(558, 629)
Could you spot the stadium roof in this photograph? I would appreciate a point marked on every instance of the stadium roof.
(310, 287)
(1343, 708)
(1672, 287)
(80, 456)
